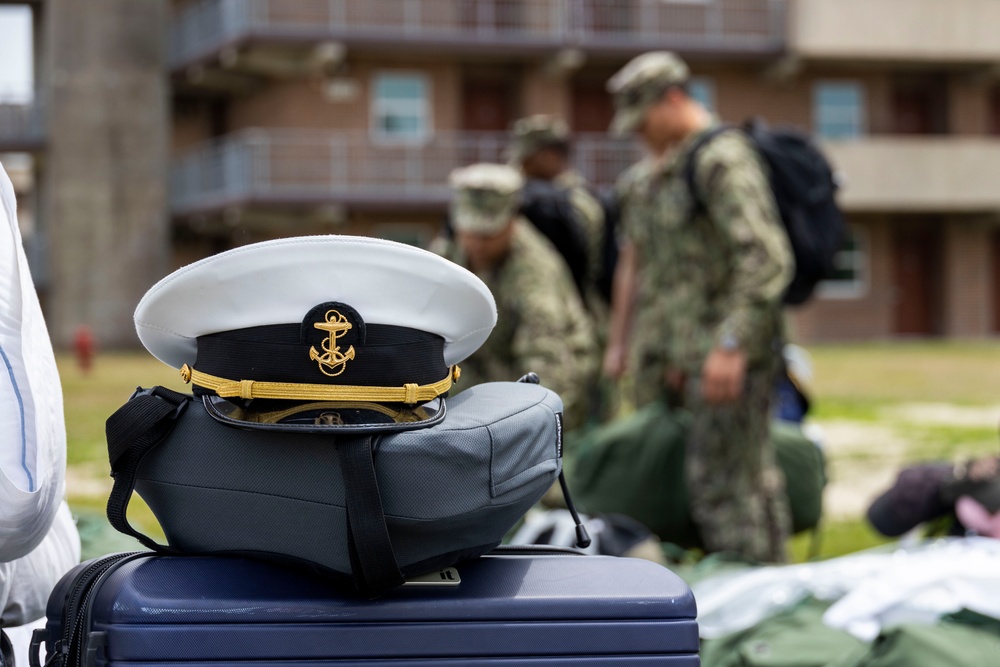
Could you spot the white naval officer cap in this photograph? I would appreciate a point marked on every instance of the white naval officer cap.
(351, 330)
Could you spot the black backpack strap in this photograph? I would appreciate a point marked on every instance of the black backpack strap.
(6, 650)
(132, 431)
(691, 165)
(373, 562)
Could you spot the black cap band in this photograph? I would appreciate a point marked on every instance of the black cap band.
(389, 356)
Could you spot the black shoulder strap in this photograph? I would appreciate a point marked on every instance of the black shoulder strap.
(132, 431)
(373, 562)
(691, 165)
(6, 650)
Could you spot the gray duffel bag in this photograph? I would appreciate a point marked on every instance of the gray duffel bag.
(371, 505)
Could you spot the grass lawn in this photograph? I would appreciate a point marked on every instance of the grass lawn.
(883, 405)
(880, 405)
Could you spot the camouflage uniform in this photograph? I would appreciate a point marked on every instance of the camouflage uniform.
(541, 322)
(531, 134)
(704, 281)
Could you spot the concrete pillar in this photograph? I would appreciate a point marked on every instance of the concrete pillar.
(967, 278)
(104, 180)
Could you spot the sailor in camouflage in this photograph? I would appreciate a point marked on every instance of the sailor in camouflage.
(542, 326)
(704, 283)
(540, 148)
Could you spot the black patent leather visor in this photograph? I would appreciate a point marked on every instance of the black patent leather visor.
(324, 416)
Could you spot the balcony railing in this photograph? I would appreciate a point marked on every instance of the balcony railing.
(22, 125)
(626, 26)
(302, 167)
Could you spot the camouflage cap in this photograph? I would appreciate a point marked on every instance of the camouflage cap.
(486, 197)
(533, 133)
(640, 83)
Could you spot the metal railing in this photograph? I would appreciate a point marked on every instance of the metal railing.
(22, 123)
(208, 26)
(315, 167)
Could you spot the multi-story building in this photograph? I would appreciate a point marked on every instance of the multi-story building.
(313, 116)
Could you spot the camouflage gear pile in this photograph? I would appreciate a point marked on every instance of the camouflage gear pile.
(541, 325)
(709, 276)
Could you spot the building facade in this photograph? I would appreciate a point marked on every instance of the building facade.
(345, 116)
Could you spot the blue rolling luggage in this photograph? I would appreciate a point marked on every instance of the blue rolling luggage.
(501, 610)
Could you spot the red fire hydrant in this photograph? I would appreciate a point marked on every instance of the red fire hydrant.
(83, 345)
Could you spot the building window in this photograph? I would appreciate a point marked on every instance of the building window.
(401, 107)
(838, 109)
(702, 89)
(850, 276)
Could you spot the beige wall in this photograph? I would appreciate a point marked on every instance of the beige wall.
(938, 31)
(918, 173)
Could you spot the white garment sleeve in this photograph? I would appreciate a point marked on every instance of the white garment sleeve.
(34, 576)
(32, 427)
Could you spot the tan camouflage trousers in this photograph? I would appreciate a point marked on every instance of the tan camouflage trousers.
(734, 484)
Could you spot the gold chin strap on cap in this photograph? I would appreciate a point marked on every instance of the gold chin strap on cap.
(410, 394)
(406, 415)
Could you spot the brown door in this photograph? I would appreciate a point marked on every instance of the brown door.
(917, 276)
(995, 259)
(487, 106)
(592, 108)
(995, 111)
(919, 106)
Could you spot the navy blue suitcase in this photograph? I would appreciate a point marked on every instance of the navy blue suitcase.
(140, 610)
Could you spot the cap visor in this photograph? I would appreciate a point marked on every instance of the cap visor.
(325, 416)
(478, 223)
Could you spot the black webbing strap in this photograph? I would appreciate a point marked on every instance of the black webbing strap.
(373, 562)
(132, 431)
(6, 650)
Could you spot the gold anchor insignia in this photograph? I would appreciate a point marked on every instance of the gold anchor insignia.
(332, 358)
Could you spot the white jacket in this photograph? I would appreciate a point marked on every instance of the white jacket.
(32, 437)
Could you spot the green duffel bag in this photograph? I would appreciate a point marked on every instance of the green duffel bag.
(635, 466)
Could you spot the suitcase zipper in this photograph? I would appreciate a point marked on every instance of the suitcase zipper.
(68, 649)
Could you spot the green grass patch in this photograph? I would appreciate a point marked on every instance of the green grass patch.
(929, 442)
(936, 371)
(846, 409)
(834, 539)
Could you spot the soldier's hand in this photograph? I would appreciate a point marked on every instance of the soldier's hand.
(722, 376)
(614, 361)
